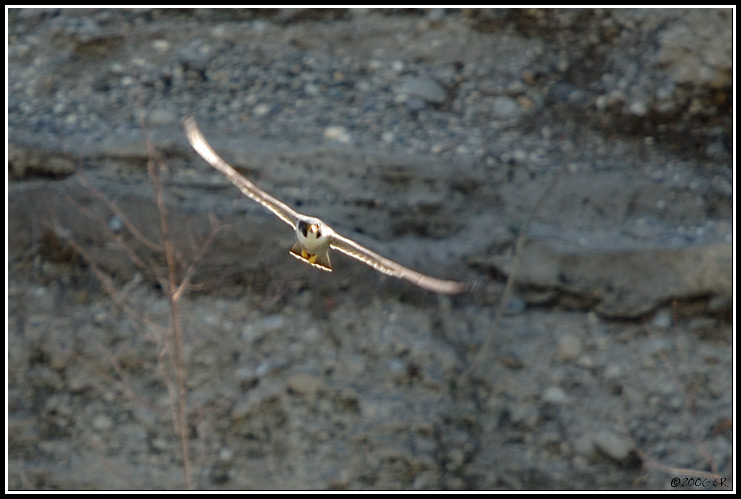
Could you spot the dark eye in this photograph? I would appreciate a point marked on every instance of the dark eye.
(303, 227)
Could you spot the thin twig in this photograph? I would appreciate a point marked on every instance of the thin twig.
(649, 463)
(82, 178)
(173, 297)
(486, 347)
(135, 259)
(104, 279)
(185, 282)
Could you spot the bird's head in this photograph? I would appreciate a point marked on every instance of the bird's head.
(311, 229)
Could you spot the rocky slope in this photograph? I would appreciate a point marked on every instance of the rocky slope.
(430, 136)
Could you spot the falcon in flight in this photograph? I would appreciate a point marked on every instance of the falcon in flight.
(314, 238)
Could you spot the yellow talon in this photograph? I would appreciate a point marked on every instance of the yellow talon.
(308, 256)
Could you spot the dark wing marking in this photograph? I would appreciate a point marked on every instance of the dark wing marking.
(198, 142)
(381, 264)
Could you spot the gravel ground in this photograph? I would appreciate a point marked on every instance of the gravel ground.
(429, 135)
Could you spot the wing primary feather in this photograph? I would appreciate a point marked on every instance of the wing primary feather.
(204, 149)
(389, 267)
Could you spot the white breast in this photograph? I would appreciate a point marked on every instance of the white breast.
(315, 242)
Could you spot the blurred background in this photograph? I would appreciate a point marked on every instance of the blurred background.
(429, 135)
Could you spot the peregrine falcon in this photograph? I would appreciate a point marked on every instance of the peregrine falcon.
(314, 238)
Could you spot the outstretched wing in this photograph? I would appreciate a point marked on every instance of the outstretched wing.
(381, 264)
(198, 142)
